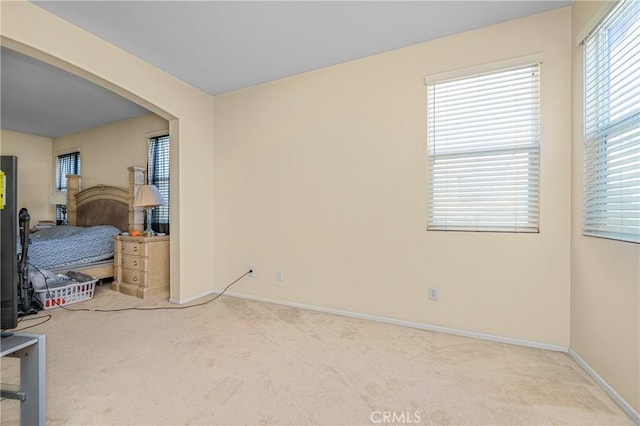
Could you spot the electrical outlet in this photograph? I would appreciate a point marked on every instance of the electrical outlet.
(280, 276)
(252, 274)
(433, 294)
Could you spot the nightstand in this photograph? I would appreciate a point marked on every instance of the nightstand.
(141, 266)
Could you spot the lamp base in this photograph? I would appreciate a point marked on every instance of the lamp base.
(149, 232)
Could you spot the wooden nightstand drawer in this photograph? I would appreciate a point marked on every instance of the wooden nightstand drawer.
(132, 276)
(134, 262)
(131, 248)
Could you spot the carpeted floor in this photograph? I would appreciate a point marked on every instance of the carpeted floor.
(236, 361)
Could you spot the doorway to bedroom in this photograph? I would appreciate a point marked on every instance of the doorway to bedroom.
(49, 113)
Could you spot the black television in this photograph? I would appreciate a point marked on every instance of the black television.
(9, 239)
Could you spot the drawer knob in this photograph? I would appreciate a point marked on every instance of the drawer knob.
(135, 263)
(135, 279)
(135, 248)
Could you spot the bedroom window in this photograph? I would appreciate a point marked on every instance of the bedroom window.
(158, 174)
(483, 134)
(612, 126)
(66, 164)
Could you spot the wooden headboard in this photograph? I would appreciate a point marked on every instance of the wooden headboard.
(105, 204)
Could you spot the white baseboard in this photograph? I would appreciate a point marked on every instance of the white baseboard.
(192, 298)
(421, 326)
(635, 416)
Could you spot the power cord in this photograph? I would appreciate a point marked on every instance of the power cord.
(159, 308)
(47, 318)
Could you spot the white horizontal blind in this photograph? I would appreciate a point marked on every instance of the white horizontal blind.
(484, 146)
(612, 126)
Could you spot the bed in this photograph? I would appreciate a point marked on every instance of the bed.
(70, 246)
(95, 215)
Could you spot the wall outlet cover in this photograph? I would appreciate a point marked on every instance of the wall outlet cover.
(433, 294)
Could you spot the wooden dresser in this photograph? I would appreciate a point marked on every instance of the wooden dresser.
(141, 266)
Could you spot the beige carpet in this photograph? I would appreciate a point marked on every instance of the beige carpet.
(237, 361)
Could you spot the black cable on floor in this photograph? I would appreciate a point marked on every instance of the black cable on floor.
(48, 317)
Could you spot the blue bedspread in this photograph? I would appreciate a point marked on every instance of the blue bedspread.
(60, 246)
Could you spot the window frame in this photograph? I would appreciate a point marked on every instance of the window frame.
(161, 215)
(61, 183)
(533, 197)
(604, 134)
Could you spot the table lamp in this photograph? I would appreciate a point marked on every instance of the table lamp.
(148, 197)
(60, 199)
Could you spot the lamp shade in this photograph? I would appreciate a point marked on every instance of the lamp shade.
(148, 196)
(59, 198)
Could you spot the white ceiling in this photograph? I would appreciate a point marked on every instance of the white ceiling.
(43, 100)
(219, 46)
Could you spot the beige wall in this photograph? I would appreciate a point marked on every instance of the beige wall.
(323, 176)
(30, 30)
(605, 295)
(108, 151)
(35, 173)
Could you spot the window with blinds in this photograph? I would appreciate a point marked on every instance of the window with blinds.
(66, 164)
(483, 134)
(158, 174)
(612, 126)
